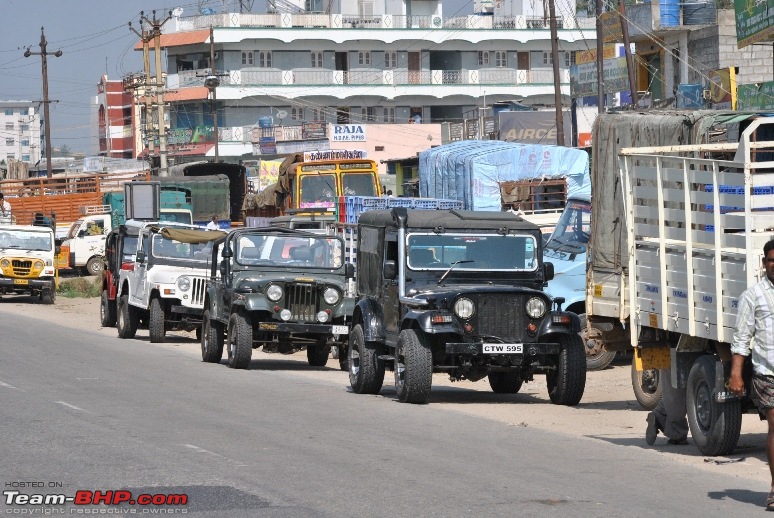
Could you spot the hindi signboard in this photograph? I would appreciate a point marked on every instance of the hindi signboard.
(754, 21)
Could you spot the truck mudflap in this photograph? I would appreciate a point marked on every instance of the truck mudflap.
(312, 329)
(481, 348)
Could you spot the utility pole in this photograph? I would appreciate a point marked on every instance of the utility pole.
(212, 81)
(600, 59)
(557, 79)
(43, 55)
(147, 120)
(628, 50)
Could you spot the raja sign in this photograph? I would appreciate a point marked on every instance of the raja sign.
(349, 133)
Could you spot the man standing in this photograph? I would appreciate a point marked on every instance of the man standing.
(5, 209)
(754, 337)
(213, 224)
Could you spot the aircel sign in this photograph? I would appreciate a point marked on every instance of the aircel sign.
(349, 133)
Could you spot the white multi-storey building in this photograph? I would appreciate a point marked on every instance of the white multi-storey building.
(356, 62)
(19, 132)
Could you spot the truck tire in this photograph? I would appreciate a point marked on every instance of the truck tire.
(508, 382)
(714, 426)
(597, 358)
(107, 311)
(212, 339)
(366, 370)
(413, 368)
(567, 383)
(127, 318)
(240, 341)
(95, 266)
(647, 387)
(48, 295)
(157, 321)
(317, 354)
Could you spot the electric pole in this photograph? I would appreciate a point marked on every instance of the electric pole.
(147, 119)
(212, 81)
(600, 59)
(557, 79)
(43, 55)
(628, 50)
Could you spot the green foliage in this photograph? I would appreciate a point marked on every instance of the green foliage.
(80, 287)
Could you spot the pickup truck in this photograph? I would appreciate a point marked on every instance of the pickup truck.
(27, 261)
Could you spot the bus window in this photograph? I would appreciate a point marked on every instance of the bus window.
(358, 184)
(317, 191)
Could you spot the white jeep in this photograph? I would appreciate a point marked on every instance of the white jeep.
(166, 283)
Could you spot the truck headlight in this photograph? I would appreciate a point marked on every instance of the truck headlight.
(464, 308)
(5, 263)
(274, 293)
(536, 307)
(39, 265)
(331, 296)
(184, 283)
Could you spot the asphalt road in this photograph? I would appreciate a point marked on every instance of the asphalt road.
(92, 412)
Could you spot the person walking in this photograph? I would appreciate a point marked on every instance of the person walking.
(5, 209)
(754, 336)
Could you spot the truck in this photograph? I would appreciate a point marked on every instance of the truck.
(693, 220)
(27, 261)
(217, 188)
(458, 292)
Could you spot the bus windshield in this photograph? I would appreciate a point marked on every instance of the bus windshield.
(318, 191)
(358, 184)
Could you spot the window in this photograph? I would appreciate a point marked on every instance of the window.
(264, 59)
(388, 115)
(317, 60)
(548, 59)
(483, 57)
(25, 127)
(25, 142)
(247, 58)
(390, 60)
(9, 142)
(297, 114)
(317, 114)
(364, 58)
(569, 59)
(25, 158)
(9, 111)
(9, 125)
(11, 156)
(368, 114)
(501, 58)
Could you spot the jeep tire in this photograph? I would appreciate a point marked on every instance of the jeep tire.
(317, 354)
(505, 382)
(366, 370)
(107, 311)
(127, 319)
(157, 321)
(212, 339)
(240, 341)
(413, 368)
(567, 382)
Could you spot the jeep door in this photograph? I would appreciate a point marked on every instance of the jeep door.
(139, 290)
(389, 293)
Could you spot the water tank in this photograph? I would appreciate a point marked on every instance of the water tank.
(670, 13)
(265, 122)
(700, 13)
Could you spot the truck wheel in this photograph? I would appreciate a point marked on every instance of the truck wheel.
(127, 318)
(317, 354)
(95, 266)
(48, 295)
(647, 387)
(366, 370)
(240, 341)
(107, 311)
(212, 339)
(505, 382)
(413, 368)
(714, 426)
(156, 321)
(597, 358)
(567, 383)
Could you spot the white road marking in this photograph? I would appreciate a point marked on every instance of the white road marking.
(202, 450)
(68, 405)
(6, 385)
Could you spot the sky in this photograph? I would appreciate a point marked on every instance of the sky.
(95, 39)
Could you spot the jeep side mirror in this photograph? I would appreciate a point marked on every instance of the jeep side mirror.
(349, 271)
(224, 267)
(140, 257)
(227, 253)
(548, 271)
(390, 270)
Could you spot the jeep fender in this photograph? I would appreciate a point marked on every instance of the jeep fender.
(369, 313)
(421, 319)
(345, 309)
(254, 302)
(550, 327)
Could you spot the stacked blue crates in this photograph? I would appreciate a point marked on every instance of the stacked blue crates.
(735, 189)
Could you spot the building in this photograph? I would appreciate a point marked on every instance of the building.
(20, 137)
(115, 119)
(312, 67)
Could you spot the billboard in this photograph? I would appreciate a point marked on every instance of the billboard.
(756, 96)
(583, 78)
(723, 88)
(537, 127)
(754, 21)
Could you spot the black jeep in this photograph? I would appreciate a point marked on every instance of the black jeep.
(458, 292)
(279, 288)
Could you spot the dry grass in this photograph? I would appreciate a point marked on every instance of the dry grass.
(79, 287)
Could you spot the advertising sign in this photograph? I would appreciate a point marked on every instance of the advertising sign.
(334, 154)
(690, 96)
(314, 130)
(532, 127)
(723, 88)
(583, 78)
(756, 97)
(196, 134)
(754, 21)
(349, 133)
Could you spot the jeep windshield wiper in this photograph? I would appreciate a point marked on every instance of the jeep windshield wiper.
(447, 272)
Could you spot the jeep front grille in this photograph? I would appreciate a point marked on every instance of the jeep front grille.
(301, 300)
(502, 316)
(198, 290)
(21, 268)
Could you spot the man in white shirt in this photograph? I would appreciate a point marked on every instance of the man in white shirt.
(5, 208)
(213, 224)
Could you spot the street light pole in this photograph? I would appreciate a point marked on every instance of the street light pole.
(43, 55)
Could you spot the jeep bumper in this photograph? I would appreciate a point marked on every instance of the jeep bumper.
(310, 329)
(529, 349)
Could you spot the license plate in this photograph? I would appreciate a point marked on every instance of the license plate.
(21, 281)
(503, 348)
(339, 330)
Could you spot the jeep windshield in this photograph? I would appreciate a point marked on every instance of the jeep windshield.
(25, 240)
(571, 234)
(170, 249)
(471, 252)
(295, 251)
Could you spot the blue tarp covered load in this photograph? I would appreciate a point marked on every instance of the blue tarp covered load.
(471, 170)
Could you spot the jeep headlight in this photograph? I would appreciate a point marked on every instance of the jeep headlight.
(184, 283)
(5, 263)
(38, 265)
(274, 293)
(536, 307)
(331, 296)
(464, 308)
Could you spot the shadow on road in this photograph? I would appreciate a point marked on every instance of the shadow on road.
(751, 446)
(740, 495)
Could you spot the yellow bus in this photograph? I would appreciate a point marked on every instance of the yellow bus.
(318, 184)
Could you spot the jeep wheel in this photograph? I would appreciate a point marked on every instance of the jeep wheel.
(157, 321)
(343, 358)
(714, 426)
(567, 382)
(317, 354)
(597, 357)
(647, 387)
(240, 341)
(212, 339)
(413, 368)
(508, 382)
(107, 311)
(366, 370)
(95, 266)
(127, 318)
